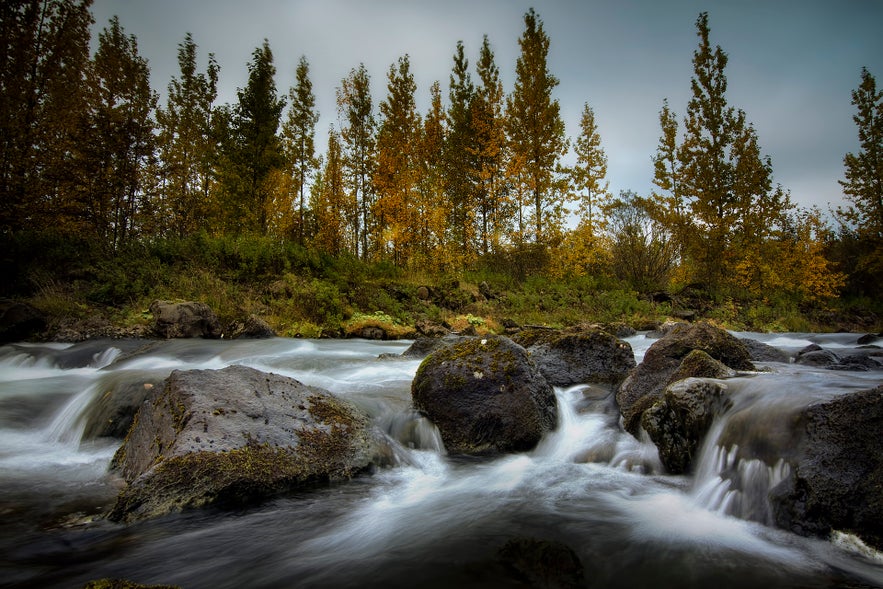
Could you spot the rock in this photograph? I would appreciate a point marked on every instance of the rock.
(234, 436)
(423, 346)
(424, 293)
(761, 352)
(868, 338)
(486, 291)
(19, 321)
(814, 355)
(542, 563)
(836, 480)
(645, 384)
(485, 396)
(662, 330)
(184, 320)
(698, 364)
(428, 328)
(576, 357)
(372, 332)
(111, 414)
(252, 328)
(678, 422)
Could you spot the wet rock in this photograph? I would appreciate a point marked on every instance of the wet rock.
(836, 480)
(868, 339)
(252, 328)
(234, 436)
(814, 355)
(19, 321)
(111, 413)
(485, 396)
(577, 356)
(678, 422)
(645, 384)
(423, 346)
(761, 352)
(542, 563)
(184, 320)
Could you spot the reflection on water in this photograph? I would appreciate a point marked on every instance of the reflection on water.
(433, 520)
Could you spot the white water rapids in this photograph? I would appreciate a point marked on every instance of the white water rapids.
(432, 520)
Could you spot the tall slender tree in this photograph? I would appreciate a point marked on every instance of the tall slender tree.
(433, 206)
(116, 136)
(590, 170)
(255, 154)
(459, 161)
(186, 144)
(534, 125)
(395, 178)
(488, 150)
(358, 130)
(330, 201)
(298, 132)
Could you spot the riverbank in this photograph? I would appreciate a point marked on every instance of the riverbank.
(70, 292)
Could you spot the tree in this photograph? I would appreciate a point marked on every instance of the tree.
(642, 251)
(395, 178)
(115, 137)
(534, 125)
(488, 150)
(722, 177)
(589, 173)
(330, 201)
(254, 152)
(433, 206)
(298, 132)
(186, 143)
(358, 131)
(44, 55)
(459, 159)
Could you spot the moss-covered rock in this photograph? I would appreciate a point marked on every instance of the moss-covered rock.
(233, 436)
(662, 366)
(485, 395)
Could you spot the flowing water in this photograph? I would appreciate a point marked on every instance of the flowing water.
(432, 520)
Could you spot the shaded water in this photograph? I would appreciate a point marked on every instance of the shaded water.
(432, 520)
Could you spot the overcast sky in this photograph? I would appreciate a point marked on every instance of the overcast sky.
(792, 63)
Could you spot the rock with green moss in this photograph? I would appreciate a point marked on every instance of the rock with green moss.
(663, 361)
(485, 395)
(234, 436)
(578, 356)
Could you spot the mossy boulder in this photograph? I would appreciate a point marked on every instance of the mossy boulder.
(578, 356)
(678, 422)
(485, 395)
(234, 436)
(184, 320)
(663, 361)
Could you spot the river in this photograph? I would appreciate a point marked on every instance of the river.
(430, 521)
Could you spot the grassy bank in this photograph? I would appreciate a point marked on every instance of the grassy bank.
(300, 293)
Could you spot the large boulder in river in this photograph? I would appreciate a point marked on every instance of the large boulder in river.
(232, 436)
(577, 356)
(662, 366)
(184, 320)
(485, 395)
(836, 479)
(678, 422)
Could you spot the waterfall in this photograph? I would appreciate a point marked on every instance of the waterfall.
(68, 425)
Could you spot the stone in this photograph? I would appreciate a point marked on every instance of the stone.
(110, 414)
(679, 421)
(577, 356)
(235, 436)
(485, 396)
(761, 352)
(836, 479)
(252, 328)
(184, 320)
(646, 383)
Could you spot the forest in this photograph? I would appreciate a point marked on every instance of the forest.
(111, 198)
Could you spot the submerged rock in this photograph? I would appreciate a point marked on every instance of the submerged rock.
(577, 356)
(836, 480)
(188, 319)
(485, 396)
(542, 563)
(232, 436)
(662, 366)
(678, 422)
